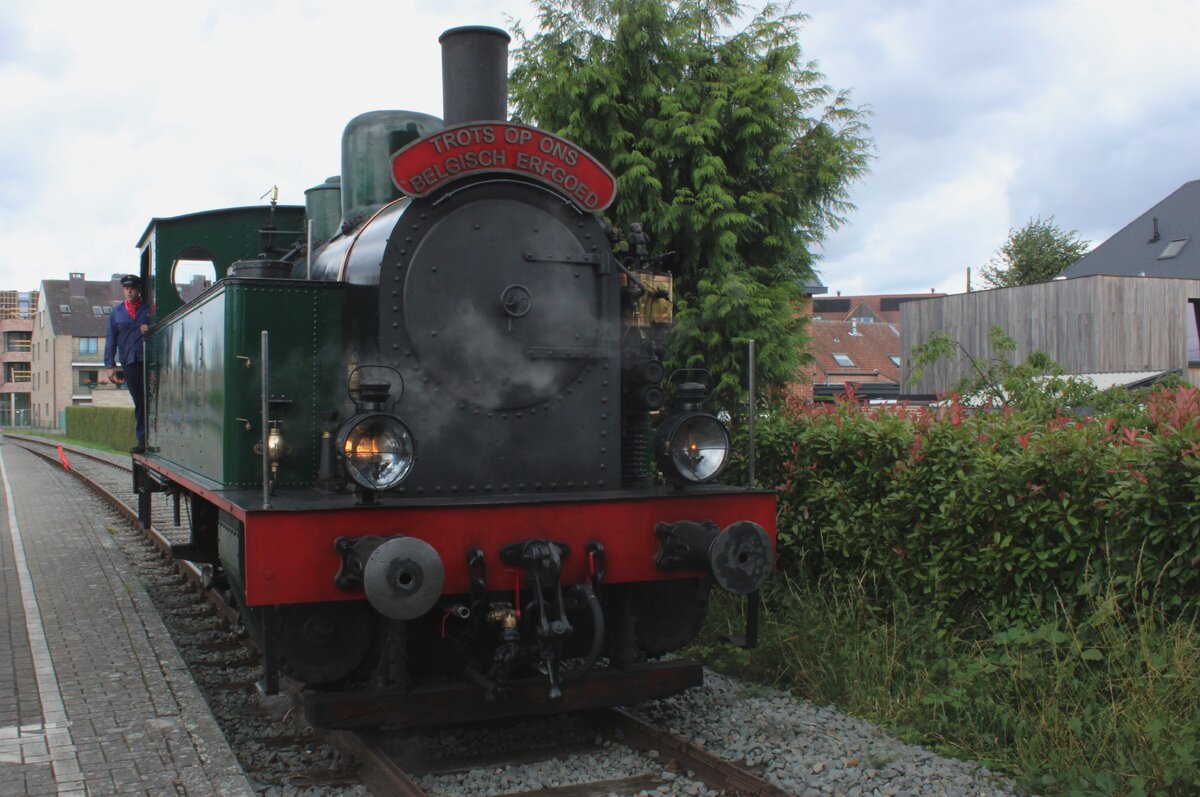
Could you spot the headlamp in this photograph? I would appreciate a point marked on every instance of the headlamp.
(378, 450)
(692, 446)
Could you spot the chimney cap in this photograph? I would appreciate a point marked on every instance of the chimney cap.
(474, 29)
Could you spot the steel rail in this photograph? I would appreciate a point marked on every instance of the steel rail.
(715, 772)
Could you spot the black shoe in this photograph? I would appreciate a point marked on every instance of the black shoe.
(140, 448)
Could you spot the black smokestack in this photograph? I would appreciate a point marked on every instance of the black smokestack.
(474, 74)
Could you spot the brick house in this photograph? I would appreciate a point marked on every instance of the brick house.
(68, 348)
(847, 354)
(875, 308)
(17, 312)
(854, 342)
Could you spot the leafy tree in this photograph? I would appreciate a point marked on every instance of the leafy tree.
(1038, 252)
(727, 147)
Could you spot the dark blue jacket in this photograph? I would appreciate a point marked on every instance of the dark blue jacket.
(124, 334)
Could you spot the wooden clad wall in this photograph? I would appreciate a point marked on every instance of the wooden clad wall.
(1090, 324)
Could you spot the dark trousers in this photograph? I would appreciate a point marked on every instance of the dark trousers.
(135, 381)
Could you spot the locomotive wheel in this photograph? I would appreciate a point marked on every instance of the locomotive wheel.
(668, 614)
(324, 642)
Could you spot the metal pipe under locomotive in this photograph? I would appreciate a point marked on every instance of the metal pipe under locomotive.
(450, 456)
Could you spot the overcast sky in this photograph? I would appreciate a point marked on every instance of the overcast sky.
(985, 114)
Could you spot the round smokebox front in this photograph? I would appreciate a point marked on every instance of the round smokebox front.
(502, 298)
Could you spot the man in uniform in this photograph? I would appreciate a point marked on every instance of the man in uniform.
(127, 323)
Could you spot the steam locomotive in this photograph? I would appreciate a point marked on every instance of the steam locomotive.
(421, 430)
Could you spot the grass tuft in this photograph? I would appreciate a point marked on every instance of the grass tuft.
(1103, 705)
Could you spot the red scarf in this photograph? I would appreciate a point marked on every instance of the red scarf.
(132, 309)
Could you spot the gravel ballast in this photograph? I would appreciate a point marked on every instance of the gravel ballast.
(810, 750)
(805, 750)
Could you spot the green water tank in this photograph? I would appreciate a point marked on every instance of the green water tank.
(323, 206)
(368, 143)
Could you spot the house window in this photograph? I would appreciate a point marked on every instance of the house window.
(1172, 249)
(895, 358)
(1193, 350)
(88, 377)
(65, 309)
(864, 314)
(13, 372)
(18, 342)
(843, 360)
(89, 345)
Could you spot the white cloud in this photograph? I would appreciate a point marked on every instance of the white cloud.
(937, 219)
(119, 112)
(985, 114)
(1092, 106)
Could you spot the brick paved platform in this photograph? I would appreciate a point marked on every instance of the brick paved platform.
(94, 698)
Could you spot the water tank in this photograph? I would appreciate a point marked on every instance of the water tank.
(368, 144)
(323, 205)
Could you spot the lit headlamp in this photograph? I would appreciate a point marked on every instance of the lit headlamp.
(692, 445)
(376, 448)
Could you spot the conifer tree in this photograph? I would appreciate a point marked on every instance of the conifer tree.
(727, 146)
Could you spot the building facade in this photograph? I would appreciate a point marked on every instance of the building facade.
(17, 312)
(1130, 306)
(67, 360)
(876, 308)
(1090, 325)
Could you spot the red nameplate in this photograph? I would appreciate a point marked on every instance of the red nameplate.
(483, 147)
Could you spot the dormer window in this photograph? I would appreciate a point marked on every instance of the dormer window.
(895, 358)
(864, 314)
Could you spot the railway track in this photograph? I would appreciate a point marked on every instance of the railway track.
(410, 763)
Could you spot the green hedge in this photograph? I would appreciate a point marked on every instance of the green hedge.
(998, 516)
(109, 426)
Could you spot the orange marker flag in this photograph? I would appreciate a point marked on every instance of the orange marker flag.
(62, 457)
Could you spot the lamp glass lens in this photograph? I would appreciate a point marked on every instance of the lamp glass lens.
(378, 451)
(699, 448)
